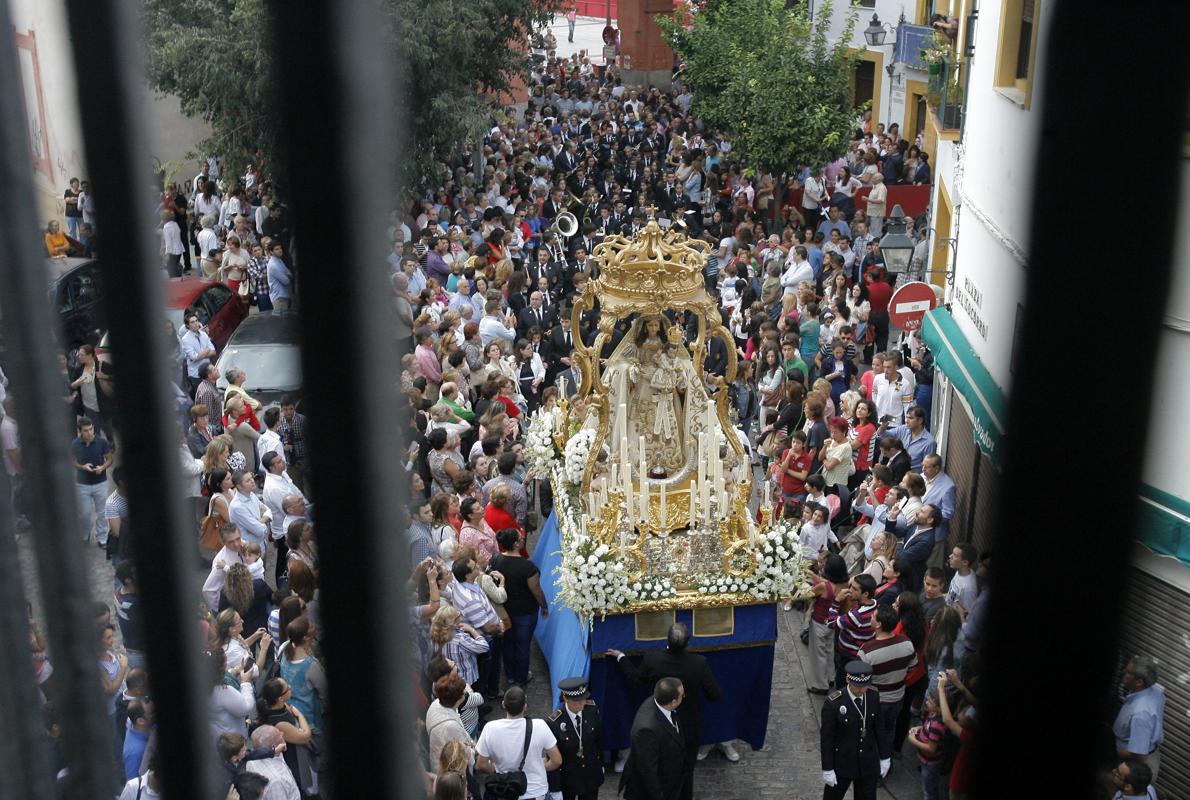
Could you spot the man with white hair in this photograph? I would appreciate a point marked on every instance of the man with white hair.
(281, 786)
(208, 247)
(1139, 728)
(235, 385)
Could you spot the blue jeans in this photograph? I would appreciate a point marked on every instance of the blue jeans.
(517, 645)
(92, 499)
(929, 781)
(72, 226)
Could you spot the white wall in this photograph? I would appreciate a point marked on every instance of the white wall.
(989, 178)
(1169, 438)
(171, 134)
(47, 20)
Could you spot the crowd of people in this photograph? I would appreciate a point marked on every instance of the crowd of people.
(833, 404)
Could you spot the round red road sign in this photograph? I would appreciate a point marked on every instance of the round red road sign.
(909, 304)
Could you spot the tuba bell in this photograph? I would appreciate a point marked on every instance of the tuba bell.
(565, 224)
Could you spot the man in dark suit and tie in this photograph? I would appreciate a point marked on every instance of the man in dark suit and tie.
(533, 316)
(559, 347)
(657, 762)
(918, 545)
(695, 674)
(542, 265)
(567, 160)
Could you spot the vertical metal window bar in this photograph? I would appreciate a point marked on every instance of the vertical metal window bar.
(338, 103)
(106, 35)
(1043, 667)
(61, 563)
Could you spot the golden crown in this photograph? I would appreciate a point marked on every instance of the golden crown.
(656, 265)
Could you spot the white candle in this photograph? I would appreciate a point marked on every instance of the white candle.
(583, 525)
(663, 525)
(692, 516)
(623, 542)
(702, 458)
(627, 489)
(644, 483)
(768, 495)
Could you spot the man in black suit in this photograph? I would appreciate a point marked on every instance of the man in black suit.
(850, 746)
(658, 759)
(559, 347)
(542, 265)
(533, 315)
(579, 731)
(567, 160)
(695, 674)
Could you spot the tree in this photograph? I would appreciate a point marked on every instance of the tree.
(762, 72)
(457, 57)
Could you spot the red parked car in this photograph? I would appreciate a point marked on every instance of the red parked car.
(218, 307)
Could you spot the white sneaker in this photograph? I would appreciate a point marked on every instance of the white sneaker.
(729, 751)
(704, 751)
(621, 760)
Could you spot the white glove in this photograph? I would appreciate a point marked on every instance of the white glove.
(828, 777)
(555, 796)
(885, 766)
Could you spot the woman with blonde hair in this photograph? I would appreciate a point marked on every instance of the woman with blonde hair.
(822, 388)
(884, 548)
(216, 455)
(457, 641)
(240, 423)
(247, 596)
(229, 636)
(233, 268)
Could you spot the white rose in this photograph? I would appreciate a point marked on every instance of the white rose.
(702, 589)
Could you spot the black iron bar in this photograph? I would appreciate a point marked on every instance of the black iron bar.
(106, 35)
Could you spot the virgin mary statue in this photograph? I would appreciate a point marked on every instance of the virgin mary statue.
(654, 394)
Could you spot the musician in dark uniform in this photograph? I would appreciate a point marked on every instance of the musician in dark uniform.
(850, 754)
(579, 731)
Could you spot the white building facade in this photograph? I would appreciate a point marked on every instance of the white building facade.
(50, 93)
(980, 217)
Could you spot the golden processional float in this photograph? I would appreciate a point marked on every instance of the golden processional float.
(651, 479)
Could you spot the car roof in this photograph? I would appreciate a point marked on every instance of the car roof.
(57, 267)
(181, 292)
(269, 327)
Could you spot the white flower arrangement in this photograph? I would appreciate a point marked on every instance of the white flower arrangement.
(575, 458)
(594, 580)
(540, 451)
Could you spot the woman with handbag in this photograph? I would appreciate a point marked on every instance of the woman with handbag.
(218, 486)
(233, 268)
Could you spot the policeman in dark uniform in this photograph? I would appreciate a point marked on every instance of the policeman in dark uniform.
(850, 719)
(579, 732)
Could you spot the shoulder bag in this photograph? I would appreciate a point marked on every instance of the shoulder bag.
(511, 785)
(208, 529)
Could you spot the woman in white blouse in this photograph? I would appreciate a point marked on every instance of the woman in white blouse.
(232, 698)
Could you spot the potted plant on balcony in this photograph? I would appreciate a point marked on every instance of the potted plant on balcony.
(935, 49)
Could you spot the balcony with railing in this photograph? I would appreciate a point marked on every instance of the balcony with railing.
(947, 93)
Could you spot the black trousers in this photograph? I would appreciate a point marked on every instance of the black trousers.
(879, 322)
(865, 789)
(688, 767)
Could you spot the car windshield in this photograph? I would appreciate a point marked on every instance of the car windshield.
(275, 367)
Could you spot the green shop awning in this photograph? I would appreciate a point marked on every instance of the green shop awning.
(954, 356)
(1164, 523)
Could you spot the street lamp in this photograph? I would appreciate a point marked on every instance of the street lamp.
(896, 245)
(876, 31)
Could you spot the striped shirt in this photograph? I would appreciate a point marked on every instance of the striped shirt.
(473, 604)
(855, 628)
(891, 659)
(931, 730)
